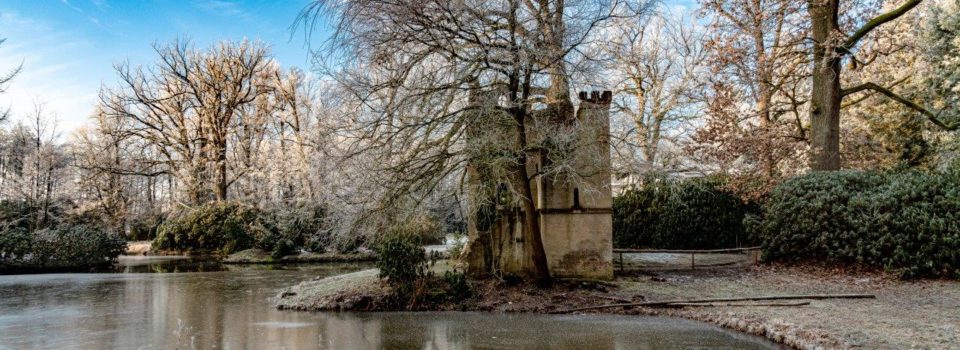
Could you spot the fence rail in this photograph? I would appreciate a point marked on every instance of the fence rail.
(693, 253)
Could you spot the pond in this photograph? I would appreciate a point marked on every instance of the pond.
(170, 303)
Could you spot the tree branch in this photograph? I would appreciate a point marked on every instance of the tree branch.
(910, 104)
(878, 21)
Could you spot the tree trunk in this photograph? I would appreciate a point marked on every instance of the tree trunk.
(222, 173)
(825, 95)
(533, 239)
(531, 221)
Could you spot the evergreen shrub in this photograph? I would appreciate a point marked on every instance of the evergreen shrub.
(218, 227)
(61, 248)
(680, 214)
(906, 222)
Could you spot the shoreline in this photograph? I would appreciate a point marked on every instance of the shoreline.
(256, 256)
(918, 314)
(249, 256)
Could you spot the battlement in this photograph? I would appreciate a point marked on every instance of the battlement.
(597, 97)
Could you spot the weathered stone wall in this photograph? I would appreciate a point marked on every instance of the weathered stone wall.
(577, 244)
(575, 215)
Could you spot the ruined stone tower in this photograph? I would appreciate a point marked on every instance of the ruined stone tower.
(574, 216)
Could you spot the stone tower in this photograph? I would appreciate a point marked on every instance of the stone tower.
(575, 216)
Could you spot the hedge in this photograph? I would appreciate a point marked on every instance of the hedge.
(905, 222)
(680, 214)
(61, 248)
(228, 227)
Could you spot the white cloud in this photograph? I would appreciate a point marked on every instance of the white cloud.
(226, 8)
(100, 4)
(92, 19)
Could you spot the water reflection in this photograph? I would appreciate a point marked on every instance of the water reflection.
(228, 308)
(523, 331)
(168, 264)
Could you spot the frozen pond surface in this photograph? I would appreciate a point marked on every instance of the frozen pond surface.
(227, 307)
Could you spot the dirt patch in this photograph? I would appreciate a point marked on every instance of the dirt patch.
(918, 314)
(138, 248)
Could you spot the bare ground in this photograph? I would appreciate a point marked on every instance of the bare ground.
(138, 247)
(920, 314)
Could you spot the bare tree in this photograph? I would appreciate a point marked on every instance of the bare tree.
(100, 153)
(657, 70)
(35, 165)
(754, 126)
(424, 72)
(5, 79)
(187, 107)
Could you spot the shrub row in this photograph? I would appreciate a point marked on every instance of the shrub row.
(680, 214)
(53, 237)
(65, 247)
(227, 227)
(907, 222)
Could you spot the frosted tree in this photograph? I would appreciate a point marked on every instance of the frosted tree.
(426, 72)
(656, 70)
(754, 109)
(5, 79)
(189, 107)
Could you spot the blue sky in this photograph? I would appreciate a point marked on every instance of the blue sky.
(68, 47)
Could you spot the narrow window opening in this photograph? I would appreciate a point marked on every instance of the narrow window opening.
(576, 198)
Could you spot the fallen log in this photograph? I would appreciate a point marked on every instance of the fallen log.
(622, 300)
(723, 300)
(802, 303)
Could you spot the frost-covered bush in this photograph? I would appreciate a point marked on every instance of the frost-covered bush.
(303, 225)
(406, 266)
(907, 222)
(53, 237)
(227, 227)
(679, 214)
(64, 247)
(402, 261)
(219, 227)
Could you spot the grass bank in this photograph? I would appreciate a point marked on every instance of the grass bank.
(905, 314)
(257, 256)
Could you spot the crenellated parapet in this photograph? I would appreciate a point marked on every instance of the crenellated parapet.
(596, 97)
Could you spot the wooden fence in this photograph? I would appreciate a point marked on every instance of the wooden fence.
(755, 251)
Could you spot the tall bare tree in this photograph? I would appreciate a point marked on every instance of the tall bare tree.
(754, 126)
(188, 106)
(656, 71)
(414, 65)
(35, 165)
